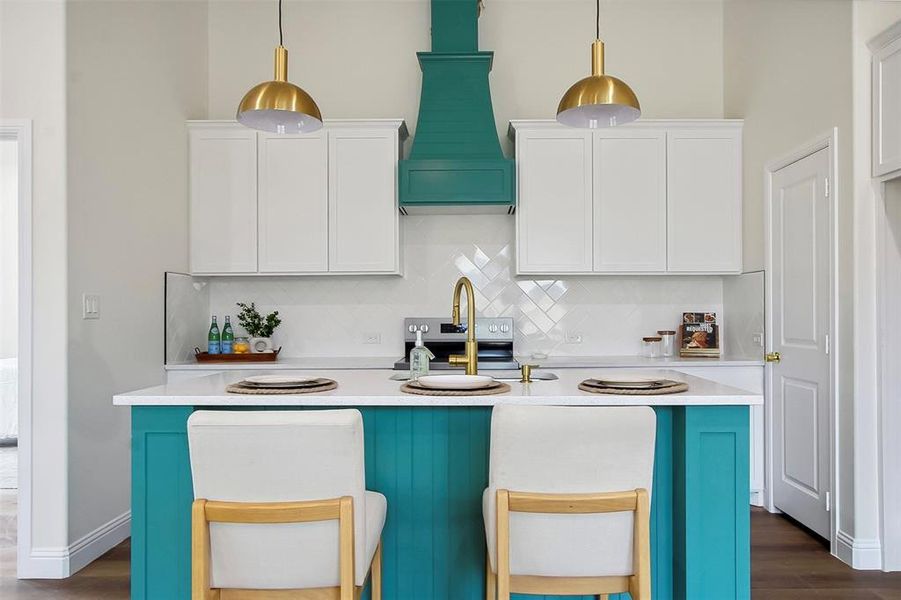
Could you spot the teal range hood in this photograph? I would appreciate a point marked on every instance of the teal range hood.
(456, 164)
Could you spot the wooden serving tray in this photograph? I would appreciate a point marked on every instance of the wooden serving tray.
(206, 357)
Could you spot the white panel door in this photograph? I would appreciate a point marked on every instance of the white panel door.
(799, 229)
(887, 109)
(704, 201)
(363, 219)
(223, 199)
(293, 203)
(554, 212)
(630, 200)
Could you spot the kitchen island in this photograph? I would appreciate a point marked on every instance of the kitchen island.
(429, 456)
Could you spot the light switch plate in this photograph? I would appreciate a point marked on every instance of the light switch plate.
(90, 306)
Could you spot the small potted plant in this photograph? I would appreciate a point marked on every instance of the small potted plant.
(258, 328)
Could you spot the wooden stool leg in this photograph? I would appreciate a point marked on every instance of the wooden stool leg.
(490, 581)
(377, 573)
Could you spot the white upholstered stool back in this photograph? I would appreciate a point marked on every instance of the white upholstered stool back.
(561, 450)
(283, 456)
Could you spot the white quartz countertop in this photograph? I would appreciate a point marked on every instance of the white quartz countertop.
(551, 362)
(373, 387)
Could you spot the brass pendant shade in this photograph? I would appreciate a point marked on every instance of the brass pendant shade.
(278, 106)
(598, 100)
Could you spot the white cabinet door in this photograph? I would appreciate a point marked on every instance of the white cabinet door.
(293, 203)
(704, 200)
(630, 201)
(887, 109)
(554, 212)
(363, 214)
(223, 199)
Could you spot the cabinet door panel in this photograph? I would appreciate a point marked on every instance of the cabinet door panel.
(554, 212)
(363, 219)
(704, 201)
(630, 201)
(293, 221)
(887, 109)
(223, 199)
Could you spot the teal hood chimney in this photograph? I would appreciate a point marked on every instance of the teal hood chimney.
(456, 163)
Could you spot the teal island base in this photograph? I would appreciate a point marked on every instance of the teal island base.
(432, 465)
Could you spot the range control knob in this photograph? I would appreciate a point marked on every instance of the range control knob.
(412, 328)
(505, 328)
(492, 328)
(424, 328)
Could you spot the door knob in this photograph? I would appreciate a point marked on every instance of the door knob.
(773, 357)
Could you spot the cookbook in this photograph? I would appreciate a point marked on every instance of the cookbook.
(700, 335)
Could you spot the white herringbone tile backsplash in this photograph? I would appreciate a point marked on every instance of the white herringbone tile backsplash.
(334, 315)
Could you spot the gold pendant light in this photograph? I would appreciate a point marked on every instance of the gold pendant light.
(598, 100)
(279, 106)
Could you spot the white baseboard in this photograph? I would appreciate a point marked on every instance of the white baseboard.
(59, 563)
(860, 554)
(757, 498)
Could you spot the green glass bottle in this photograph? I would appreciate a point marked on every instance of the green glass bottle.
(228, 336)
(213, 345)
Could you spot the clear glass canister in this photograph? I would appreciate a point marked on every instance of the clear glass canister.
(667, 342)
(650, 346)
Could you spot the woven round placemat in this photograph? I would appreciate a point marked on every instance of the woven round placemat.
(411, 387)
(237, 388)
(674, 387)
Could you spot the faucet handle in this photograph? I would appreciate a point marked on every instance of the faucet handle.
(457, 360)
(527, 373)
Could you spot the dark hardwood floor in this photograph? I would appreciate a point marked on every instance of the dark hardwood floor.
(787, 563)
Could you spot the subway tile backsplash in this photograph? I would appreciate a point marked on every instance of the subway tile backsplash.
(575, 316)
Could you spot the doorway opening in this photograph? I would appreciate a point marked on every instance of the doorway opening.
(9, 327)
(15, 339)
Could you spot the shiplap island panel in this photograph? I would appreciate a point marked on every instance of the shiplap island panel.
(429, 457)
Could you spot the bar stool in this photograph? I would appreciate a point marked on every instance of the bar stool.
(567, 505)
(281, 504)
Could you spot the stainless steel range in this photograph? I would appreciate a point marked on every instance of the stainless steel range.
(443, 338)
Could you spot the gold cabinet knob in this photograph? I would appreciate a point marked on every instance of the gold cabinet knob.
(773, 357)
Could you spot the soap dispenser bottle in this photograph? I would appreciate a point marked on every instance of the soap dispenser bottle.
(419, 358)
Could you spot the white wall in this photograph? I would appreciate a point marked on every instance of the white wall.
(136, 72)
(788, 74)
(870, 18)
(358, 59)
(33, 86)
(331, 316)
(9, 251)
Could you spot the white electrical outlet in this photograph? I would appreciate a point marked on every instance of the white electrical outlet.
(757, 339)
(90, 306)
(372, 338)
(572, 337)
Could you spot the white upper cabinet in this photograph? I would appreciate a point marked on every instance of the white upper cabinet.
(324, 202)
(651, 197)
(293, 203)
(704, 200)
(554, 204)
(630, 200)
(887, 102)
(223, 191)
(362, 199)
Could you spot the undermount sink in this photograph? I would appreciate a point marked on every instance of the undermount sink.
(511, 375)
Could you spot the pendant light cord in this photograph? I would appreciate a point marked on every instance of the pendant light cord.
(597, 20)
(280, 37)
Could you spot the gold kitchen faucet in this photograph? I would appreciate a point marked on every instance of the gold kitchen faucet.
(471, 357)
